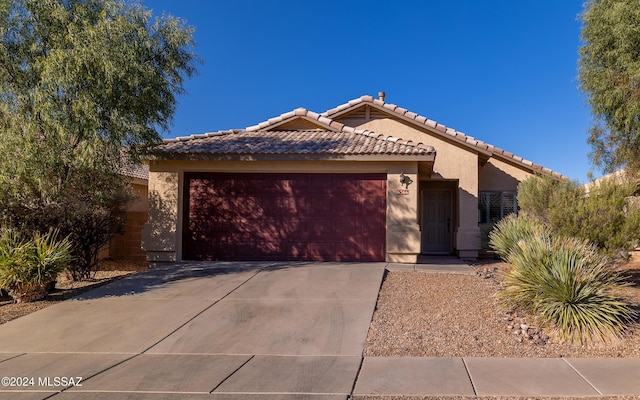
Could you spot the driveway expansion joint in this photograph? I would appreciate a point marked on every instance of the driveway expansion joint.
(231, 374)
(582, 376)
(203, 310)
(466, 368)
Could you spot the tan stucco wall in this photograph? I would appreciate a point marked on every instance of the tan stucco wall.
(499, 175)
(162, 238)
(403, 229)
(453, 162)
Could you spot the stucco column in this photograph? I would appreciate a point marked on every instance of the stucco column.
(160, 233)
(403, 230)
(467, 235)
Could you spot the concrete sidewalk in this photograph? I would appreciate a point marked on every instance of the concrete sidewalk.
(539, 377)
(258, 331)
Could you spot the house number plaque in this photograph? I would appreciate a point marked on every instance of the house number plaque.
(403, 192)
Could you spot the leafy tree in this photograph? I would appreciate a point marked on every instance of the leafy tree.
(609, 73)
(85, 86)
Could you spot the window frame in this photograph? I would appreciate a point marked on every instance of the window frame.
(484, 216)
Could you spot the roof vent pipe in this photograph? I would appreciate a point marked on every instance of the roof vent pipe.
(381, 96)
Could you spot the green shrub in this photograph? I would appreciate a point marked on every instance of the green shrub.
(566, 283)
(602, 216)
(90, 209)
(535, 195)
(28, 267)
(506, 234)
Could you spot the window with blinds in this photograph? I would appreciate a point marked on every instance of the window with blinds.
(493, 206)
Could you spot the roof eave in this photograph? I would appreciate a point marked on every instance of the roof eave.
(427, 157)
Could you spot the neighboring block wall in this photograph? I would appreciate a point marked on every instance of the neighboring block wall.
(128, 246)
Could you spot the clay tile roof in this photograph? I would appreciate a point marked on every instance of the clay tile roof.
(135, 170)
(420, 120)
(300, 142)
(331, 138)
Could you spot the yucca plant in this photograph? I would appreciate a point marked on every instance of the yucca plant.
(528, 257)
(510, 230)
(568, 284)
(27, 267)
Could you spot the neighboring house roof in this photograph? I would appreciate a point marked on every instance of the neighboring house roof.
(135, 170)
(323, 135)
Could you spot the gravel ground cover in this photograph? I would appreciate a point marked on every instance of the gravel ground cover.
(427, 314)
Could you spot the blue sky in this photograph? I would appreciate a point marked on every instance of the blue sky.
(504, 72)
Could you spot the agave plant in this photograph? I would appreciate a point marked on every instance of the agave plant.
(28, 267)
(567, 283)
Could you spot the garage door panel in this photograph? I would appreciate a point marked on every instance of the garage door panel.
(371, 236)
(279, 230)
(348, 252)
(321, 251)
(319, 206)
(372, 204)
(346, 208)
(349, 230)
(285, 216)
(271, 249)
(320, 230)
(294, 228)
(267, 231)
(295, 250)
(246, 249)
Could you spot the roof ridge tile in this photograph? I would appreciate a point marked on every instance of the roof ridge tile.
(348, 129)
(313, 115)
(324, 120)
(401, 111)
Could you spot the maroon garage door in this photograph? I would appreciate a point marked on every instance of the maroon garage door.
(319, 217)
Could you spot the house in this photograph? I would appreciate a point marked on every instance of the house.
(365, 181)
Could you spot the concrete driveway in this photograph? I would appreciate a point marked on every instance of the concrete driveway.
(199, 330)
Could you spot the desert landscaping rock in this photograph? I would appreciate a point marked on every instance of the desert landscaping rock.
(450, 315)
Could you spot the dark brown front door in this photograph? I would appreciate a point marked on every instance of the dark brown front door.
(320, 217)
(436, 221)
